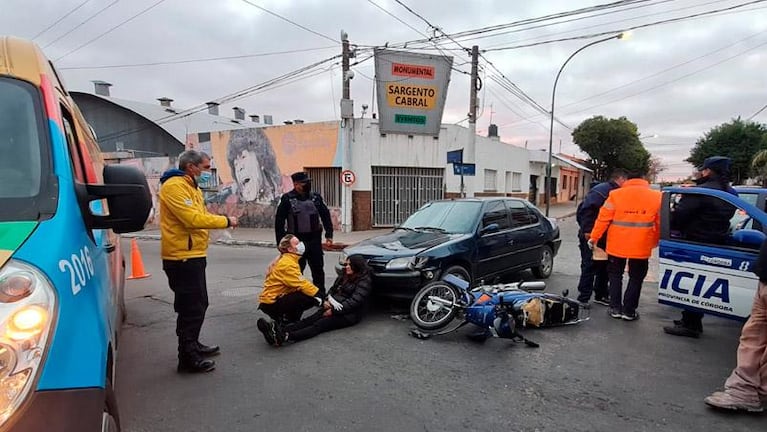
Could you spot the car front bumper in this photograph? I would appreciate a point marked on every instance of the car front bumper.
(76, 410)
(400, 284)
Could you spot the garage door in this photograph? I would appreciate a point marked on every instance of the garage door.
(399, 191)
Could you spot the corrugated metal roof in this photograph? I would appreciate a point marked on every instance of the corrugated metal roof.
(572, 162)
(179, 127)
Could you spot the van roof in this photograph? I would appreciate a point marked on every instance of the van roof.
(20, 58)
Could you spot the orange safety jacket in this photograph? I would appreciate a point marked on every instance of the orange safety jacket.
(631, 217)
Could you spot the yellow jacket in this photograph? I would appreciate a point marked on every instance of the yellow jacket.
(184, 221)
(285, 278)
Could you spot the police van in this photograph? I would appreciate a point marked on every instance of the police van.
(62, 271)
(715, 279)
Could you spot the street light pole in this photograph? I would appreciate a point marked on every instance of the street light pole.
(547, 187)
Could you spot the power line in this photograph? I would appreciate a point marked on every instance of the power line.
(100, 11)
(284, 79)
(697, 71)
(397, 18)
(756, 113)
(610, 32)
(198, 60)
(292, 22)
(468, 33)
(60, 19)
(112, 29)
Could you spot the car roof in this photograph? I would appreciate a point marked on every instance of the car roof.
(480, 199)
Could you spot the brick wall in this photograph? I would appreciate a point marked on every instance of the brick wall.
(362, 217)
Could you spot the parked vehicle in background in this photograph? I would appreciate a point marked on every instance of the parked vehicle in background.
(62, 272)
(471, 238)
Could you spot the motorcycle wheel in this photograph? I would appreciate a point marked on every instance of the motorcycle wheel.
(428, 314)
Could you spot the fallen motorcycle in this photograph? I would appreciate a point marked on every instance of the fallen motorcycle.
(446, 305)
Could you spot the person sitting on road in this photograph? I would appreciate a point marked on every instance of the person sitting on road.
(345, 306)
(286, 294)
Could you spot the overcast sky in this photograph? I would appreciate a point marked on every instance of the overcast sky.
(676, 80)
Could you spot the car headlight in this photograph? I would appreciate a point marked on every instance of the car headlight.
(405, 263)
(27, 311)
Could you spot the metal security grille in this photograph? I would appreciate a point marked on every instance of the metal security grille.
(327, 182)
(400, 191)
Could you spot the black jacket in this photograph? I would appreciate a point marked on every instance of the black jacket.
(760, 268)
(704, 218)
(588, 210)
(283, 211)
(353, 295)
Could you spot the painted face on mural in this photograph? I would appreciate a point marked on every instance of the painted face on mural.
(247, 170)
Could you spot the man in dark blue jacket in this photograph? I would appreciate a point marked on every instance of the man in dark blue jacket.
(593, 272)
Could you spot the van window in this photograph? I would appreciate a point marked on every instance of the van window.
(20, 140)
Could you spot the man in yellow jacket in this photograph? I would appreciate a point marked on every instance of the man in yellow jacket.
(287, 294)
(631, 217)
(184, 224)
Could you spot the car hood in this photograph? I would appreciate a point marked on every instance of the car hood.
(402, 243)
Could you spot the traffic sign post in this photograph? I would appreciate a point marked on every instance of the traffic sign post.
(348, 177)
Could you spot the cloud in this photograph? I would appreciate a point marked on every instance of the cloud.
(675, 80)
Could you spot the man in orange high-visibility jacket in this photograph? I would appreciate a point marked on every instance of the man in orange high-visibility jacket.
(631, 217)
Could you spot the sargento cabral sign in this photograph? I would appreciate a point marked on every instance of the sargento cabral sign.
(412, 89)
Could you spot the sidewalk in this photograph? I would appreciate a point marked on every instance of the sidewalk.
(264, 237)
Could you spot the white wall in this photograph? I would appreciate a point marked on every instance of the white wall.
(369, 148)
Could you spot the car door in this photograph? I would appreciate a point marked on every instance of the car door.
(493, 247)
(526, 235)
(707, 277)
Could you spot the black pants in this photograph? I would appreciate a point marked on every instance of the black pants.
(288, 308)
(593, 274)
(315, 324)
(187, 280)
(314, 256)
(637, 273)
(692, 320)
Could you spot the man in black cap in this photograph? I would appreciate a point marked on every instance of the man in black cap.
(303, 213)
(704, 219)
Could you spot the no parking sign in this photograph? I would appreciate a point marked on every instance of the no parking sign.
(348, 177)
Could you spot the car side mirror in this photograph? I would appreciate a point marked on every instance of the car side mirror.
(128, 199)
(749, 237)
(493, 227)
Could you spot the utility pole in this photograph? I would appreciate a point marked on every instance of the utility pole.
(471, 147)
(347, 121)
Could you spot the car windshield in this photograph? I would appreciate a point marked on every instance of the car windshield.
(22, 140)
(446, 216)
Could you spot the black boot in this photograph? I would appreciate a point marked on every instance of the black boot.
(208, 351)
(199, 365)
(682, 330)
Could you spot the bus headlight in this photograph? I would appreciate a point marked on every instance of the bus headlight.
(27, 311)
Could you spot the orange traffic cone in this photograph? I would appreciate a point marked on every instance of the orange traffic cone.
(136, 264)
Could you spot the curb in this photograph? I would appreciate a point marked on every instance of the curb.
(226, 242)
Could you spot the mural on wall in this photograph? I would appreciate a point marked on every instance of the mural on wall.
(253, 166)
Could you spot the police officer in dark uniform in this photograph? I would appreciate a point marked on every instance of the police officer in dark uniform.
(703, 219)
(303, 213)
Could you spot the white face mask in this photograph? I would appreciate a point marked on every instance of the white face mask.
(300, 248)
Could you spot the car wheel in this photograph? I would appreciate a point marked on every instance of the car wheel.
(458, 271)
(546, 266)
(111, 419)
(434, 306)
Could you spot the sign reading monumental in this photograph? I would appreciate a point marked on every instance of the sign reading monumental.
(412, 89)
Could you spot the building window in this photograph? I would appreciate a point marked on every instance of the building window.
(327, 182)
(516, 182)
(491, 180)
(564, 181)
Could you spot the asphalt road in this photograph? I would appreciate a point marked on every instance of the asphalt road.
(601, 375)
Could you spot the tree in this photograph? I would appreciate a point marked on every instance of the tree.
(656, 167)
(759, 163)
(739, 140)
(611, 144)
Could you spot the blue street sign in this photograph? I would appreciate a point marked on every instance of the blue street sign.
(455, 156)
(464, 169)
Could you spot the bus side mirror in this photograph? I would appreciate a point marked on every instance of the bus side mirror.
(128, 198)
